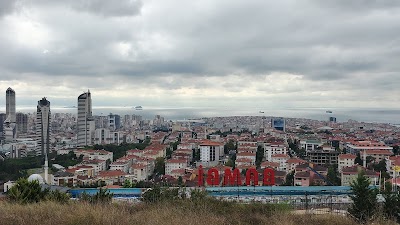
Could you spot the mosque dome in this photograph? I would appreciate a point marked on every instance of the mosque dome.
(36, 177)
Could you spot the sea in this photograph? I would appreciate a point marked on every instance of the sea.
(374, 115)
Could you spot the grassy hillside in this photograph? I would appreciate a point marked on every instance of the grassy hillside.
(182, 212)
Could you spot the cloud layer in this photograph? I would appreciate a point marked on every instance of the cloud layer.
(212, 53)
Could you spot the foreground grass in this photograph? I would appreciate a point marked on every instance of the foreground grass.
(176, 212)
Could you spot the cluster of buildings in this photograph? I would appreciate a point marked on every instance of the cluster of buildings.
(300, 151)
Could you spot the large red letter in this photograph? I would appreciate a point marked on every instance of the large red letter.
(252, 173)
(229, 178)
(269, 177)
(213, 177)
(201, 176)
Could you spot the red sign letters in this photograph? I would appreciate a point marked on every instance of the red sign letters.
(233, 178)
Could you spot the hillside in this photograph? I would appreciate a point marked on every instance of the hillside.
(191, 213)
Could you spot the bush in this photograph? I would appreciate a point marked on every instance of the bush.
(102, 196)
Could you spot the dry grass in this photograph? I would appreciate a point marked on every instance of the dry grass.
(49, 213)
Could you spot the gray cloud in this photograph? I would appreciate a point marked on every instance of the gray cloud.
(181, 49)
(7, 6)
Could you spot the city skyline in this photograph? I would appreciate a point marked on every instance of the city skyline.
(308, 54)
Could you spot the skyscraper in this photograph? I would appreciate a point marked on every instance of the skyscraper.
(9, 126)
(43, 127)
(85, 122)
(22, 123)
(3, 118)
(10, 105)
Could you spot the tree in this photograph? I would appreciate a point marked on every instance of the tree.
(58, 196)
(396, 150)
(333, 175)
(381, 167)
(102, 196)
(25, 191)
(229, 146)
(127, 184)
(160, 166)
(364, 199)
(230, 163)
(259, 155)
(180, 181)
(391, 207)
(358, 160)
(289, 180)
(169, 153)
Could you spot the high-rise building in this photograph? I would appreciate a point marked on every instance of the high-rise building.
(22, 123)
(43, 127)
(10, 105)
(3, 117)
(278, 124)
(9, 126)
(85, 122)
(114, 121)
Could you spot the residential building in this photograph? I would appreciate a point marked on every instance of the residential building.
(273, 148)
(282, 160)
(355, 147)
(85, 122)
(210, 152)
(104, 136)
(91, 154)
(114, 121)
(173, 164)
(292, 163)
(64, 179)
(43, 127)
(345, 160)
(310, 145)
(324, 155)
(123, 166)
(377, 155)
(349, 174)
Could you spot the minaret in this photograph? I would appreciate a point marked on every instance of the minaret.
(364, 159)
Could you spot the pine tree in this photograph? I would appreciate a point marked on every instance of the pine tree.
(364, 199)
(391, 208)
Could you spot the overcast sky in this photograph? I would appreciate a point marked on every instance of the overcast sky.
(274, 54)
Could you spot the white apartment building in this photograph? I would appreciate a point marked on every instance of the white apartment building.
(345, 160)
(210, 152)
(282, 160)
(310, 145)
(274, 148)
(140, 172)
(247, 155)
(94, 154)
(98, 165)
(123, 166)
(103, 136)
(173, 164)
